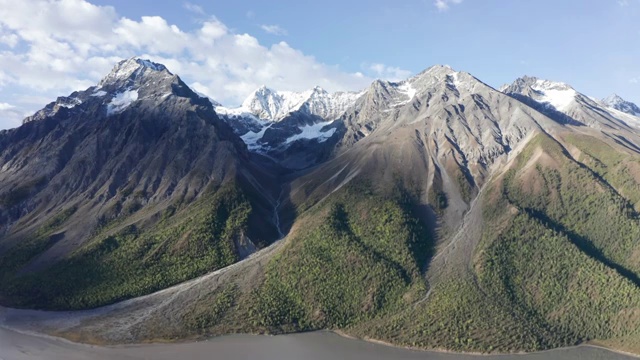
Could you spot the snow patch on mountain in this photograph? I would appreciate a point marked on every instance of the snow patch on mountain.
(121, 101)
(71, 103)
(406, 89)
(558, 95)
(99, 93)
(266, 107)
(251, 139)
(268, 104)
(629, 119)
(313, 132)
(236, 112)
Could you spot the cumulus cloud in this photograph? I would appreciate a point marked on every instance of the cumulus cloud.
(274, 29)
(443, 5)
(391, 73)
(52, 48)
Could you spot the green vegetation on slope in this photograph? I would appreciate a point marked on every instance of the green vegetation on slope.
(558, 250)
(457, 316)
(620, 170)
(555, 267)
(558, 264)
(361, 259)
(554, 283)
(193, 241)
(572, 199)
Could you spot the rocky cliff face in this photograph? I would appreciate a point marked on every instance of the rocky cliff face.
(138, 142)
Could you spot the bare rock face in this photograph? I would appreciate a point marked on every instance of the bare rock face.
(139, 139)
(441, 131)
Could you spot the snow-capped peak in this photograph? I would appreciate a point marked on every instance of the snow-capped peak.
(616, 102)
(556, 95)
(435, 76)
(264, 103)
(550, 85)
(130, 68)
(613, 99)
(269, 104)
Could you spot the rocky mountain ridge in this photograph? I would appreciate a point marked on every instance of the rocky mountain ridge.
(421, 215)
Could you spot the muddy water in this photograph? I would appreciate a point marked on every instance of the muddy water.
(309, 346)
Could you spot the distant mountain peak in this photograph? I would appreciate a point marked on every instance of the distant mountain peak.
(129, 81)
(554, 94)
(434, 71)
(616, 102)
(269, 104)
(534, 83)
(612, 99)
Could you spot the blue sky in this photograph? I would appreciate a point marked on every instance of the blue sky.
(228, 48)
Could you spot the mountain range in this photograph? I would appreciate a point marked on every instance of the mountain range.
(435, 212)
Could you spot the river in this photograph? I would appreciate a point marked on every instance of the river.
(307, 346)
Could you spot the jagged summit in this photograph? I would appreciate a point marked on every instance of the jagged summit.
(130, 81)
(616, 102)
(268, 104)
(131, 68)
(264, 102)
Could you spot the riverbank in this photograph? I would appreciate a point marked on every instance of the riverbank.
(477, 354)
(312, 346)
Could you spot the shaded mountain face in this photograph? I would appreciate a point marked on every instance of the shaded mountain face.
(136, 153)
(435, 212)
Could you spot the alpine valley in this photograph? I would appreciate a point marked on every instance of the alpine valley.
(435, 212)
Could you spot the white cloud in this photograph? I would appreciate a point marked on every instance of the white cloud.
(69, 45)
(443, 5)
(5, 106)
(153, 34)
(196, 9)
(274, 29)
(8, 38)
(635, 80)
(390, 73)
(10, 116)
